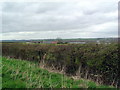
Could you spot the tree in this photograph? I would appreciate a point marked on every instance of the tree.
(59, 40)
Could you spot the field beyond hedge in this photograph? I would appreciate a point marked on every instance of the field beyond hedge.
(96, 62)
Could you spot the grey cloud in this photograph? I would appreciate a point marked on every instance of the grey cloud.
(56, 17)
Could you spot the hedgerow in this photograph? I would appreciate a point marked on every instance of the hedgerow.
(97, 62)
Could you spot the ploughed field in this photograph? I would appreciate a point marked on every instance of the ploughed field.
(95, 62)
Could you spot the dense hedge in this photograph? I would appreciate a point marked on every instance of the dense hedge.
(90, 61)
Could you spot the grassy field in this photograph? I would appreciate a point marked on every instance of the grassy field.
(25, 74)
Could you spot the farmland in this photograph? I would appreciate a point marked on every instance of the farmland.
(94, 62)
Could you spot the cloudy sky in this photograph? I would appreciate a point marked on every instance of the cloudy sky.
(43, 20)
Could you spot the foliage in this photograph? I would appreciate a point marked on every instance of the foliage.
(24, 74)
(98, 62)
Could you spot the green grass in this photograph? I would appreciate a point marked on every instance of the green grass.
(25, 74)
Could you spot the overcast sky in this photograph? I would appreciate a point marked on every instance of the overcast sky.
(47, 20)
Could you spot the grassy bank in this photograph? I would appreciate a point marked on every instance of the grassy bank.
(25, 74)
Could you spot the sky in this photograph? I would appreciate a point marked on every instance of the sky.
(64, 19)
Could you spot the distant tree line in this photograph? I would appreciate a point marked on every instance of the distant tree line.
(89, 61)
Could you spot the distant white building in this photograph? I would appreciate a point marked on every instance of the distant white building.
(98, 42)
(76, 42)
(27, 42)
